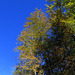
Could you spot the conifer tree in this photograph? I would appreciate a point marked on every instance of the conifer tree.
(47, 42)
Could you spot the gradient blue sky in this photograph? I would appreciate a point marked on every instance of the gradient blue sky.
(13, 14)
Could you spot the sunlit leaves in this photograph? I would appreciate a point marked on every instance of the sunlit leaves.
(47, 42)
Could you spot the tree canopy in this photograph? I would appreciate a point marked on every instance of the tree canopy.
(47, 43)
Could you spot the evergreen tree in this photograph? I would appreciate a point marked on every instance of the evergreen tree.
(47, 42)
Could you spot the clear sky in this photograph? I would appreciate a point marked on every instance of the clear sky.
(13, 14)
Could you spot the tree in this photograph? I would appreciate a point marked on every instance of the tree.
(35, 25)
(49, 40)
(59, 50)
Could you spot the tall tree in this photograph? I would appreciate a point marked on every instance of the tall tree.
(47, 42)
(60, 49)
(36, 27)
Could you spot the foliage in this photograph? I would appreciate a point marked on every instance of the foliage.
(47, 42)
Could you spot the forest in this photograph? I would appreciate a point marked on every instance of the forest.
(47, 42)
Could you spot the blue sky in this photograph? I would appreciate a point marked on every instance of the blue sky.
(13, 14)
